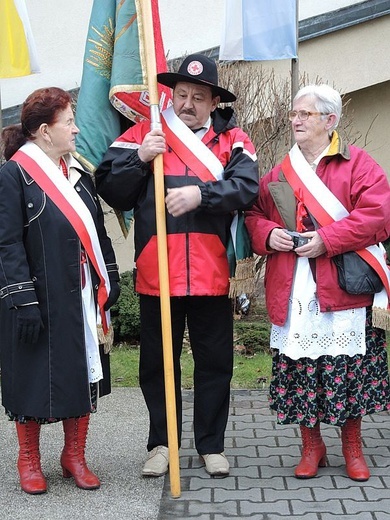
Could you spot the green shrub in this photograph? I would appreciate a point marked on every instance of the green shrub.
(253, 331)
(125, 313)
(253, 336)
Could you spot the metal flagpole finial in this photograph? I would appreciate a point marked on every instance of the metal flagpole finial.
(155, 120)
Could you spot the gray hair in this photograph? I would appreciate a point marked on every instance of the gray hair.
(326, 99)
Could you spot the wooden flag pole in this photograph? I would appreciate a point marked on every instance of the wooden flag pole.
(162, 248)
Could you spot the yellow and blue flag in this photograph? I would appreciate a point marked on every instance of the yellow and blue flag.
(18, 55)
(256, 30)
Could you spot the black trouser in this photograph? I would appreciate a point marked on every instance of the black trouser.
(210, 326)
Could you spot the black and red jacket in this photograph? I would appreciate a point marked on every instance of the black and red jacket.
(197, 241)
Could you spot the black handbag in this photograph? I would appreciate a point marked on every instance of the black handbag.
(355, 275)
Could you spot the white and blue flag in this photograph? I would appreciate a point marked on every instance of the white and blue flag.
(256, 30)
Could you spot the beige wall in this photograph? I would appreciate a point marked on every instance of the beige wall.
(356, 61)
(371, 113)
(124, 247)
(351, 58)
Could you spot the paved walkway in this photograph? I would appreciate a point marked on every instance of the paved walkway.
(261, 485)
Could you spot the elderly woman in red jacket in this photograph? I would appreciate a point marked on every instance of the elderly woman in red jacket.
(329, 362)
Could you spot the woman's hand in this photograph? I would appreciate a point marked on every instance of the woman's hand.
(279, 240)
(315, 247)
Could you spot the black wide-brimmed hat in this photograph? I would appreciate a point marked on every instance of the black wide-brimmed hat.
(199, 69)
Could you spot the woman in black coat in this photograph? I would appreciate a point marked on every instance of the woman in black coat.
(58, 278)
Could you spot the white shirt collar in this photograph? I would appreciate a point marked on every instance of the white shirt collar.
(205, 128)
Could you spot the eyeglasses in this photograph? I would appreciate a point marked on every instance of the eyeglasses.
(303, 115)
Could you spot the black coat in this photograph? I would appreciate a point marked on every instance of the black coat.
(40, 261)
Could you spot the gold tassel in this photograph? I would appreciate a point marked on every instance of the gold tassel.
(243, 281)
(121, 222)
(107, 340)
(381, 318)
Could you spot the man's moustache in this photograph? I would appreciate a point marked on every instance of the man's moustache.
(187, 112)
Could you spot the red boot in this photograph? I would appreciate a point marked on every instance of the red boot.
(351, 439)
(73, 455)
(32, 480)
(313, 452)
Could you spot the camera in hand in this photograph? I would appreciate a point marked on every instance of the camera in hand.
(298, 239)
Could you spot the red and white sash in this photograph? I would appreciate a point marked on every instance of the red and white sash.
(326, 209)
(195, 154)
(60, 191)
(191, 150)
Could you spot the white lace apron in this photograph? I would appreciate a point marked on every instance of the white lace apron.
(311, 333)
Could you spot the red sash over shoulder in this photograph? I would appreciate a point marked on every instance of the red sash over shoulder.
(191, 150)
(63, 195)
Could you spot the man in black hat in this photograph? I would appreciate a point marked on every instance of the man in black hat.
(210, 171)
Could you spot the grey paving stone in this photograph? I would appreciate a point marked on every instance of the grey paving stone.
(251, 495)
(282, 507)
(374, 494)
(227, 508)
(275, 483)
(382, 516)
(228, 483)
(377, 506)
(300, 507)
(261, 486)
(352, 493)
(346, 516)
(320, 482)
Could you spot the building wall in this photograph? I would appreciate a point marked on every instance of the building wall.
(353, 58)
(362, 72)
(123, 246)
(371, 113)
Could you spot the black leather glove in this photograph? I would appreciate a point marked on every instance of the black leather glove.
(28, 323)
(113, 296)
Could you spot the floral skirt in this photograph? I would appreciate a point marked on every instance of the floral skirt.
(48, 420)
(332, 389)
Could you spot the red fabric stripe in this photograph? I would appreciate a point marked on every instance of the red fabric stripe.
(59, 200)
(186, 155)
(370, 259)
